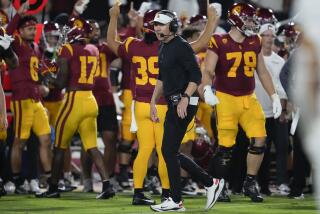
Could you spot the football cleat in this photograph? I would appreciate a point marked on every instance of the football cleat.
(107, 193)
(48, 194)
(224, 196)
(141, 199)
(250, 189)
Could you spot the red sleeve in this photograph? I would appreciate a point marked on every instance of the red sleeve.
(13, 24)
(124, 49)
(66, 51)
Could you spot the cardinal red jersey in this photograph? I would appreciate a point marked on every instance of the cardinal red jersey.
(102, 87)
(144, 66)
(24, 78)
(234, 73)
(55, 94)
(83, 60)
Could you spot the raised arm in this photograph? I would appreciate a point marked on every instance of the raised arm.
(13, 24)
(113, 43)
(211, 25)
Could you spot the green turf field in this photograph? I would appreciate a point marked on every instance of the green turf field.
(86, 203)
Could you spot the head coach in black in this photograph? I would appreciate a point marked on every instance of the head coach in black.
(178, 79)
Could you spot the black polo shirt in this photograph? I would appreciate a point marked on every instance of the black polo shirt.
(177, 66)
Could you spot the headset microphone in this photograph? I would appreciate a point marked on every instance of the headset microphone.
(163, 35)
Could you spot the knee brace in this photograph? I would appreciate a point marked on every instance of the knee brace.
(124, 148)
(255, 150)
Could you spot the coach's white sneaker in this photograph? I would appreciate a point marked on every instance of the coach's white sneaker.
(168, 206)
(213, 192)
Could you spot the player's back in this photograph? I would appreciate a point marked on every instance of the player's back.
(82, 61)
(237, 62)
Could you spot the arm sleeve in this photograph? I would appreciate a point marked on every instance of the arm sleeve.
(13, 24)
(189, 62)
(66, 51)
(124, 49)
(213, 44)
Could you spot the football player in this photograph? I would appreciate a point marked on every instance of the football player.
(78, 62)
(107, 118)
(28, 111)
(232, 59)
(10, 58)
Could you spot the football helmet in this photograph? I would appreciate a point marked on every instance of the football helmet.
(147, 20)
(202, 148)
(196, 19)
(266, 16)
(51, 28)
(51, 36)
(77, 29)
(288, 34)
(243, 17)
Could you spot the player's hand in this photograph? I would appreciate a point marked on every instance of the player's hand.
(209, 97)
(217, 9)
(211, 11)
(153, 113)
(115, 9)
(133, 15)
(81, 5)
(3, 122)
(182, 107)
(23, 8)
(5, 41)
(44, 90)
(276, 105)
(118, 103)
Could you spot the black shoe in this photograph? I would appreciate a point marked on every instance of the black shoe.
(48, 194)
(250, 189)
(123, 180)
(67, 188)
(224, 196)
(296, 195)
(20, 190)
(265, 191)
(2, 190)
(107, 193)
(141, 199)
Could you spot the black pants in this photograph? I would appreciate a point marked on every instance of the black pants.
(277, 132)
(174, 130)
(301, 165)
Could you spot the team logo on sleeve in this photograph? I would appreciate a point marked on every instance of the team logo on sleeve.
(224, 40)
